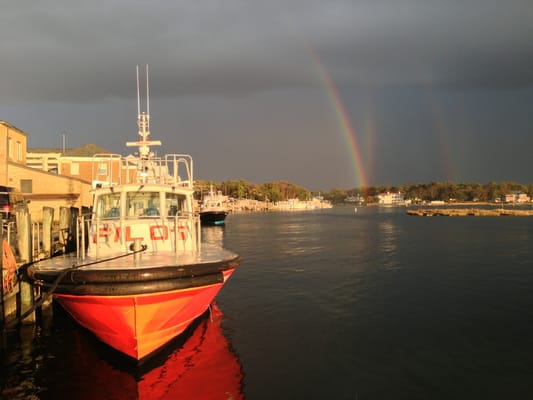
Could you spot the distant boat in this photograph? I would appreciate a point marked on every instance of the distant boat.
(213, 210)
(145, 274)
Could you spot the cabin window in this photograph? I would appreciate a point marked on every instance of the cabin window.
(175, 204)
(108, 206)
(143, 204)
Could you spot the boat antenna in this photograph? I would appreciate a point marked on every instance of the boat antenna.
(147, 93)
(143, 122)
(138, 95)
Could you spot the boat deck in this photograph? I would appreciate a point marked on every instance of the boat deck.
(146, 260)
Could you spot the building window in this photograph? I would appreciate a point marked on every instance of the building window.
(74, 169)
(26, 186)
(9, 149)
(102, 169)
(19, 151)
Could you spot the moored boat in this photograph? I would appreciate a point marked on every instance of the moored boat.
(213, 210)
(141, 274)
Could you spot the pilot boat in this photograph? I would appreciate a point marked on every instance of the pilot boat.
(140, 274)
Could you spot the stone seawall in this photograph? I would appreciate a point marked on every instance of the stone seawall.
(463, 212)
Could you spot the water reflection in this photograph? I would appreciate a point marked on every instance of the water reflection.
(199, 365)
(204, 368)
(213, 235)
(299, 237)
(390, 209)
(388, 244)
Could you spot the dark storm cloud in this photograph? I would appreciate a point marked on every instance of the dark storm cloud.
(246, 75)
(58, 51)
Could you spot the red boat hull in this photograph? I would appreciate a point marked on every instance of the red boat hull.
(138, 325)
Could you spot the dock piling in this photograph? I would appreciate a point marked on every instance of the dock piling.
(24, 242)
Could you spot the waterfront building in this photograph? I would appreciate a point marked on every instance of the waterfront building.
(40, 187)
(517, 197)
(389, 198)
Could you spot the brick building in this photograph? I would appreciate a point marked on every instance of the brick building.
(41, 187)
(82, 163)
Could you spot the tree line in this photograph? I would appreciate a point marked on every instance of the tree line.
(241, 189)
(443, 191)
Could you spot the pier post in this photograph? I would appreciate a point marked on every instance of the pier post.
(23, 234)
(25, 253)
(73, 229)
(48, 221)
(86, 212)
(64, 223)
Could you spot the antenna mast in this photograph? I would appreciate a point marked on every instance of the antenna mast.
(143, 122)
(138, 95)
(147, 93)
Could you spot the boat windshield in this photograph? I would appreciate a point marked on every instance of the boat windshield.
(141, 204)
(108, 206)
(176, 204)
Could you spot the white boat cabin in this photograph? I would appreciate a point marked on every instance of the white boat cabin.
(155, 210)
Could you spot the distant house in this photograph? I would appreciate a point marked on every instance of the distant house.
(517, 197)
(389, 198)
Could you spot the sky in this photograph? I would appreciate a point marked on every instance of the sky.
(323, 94)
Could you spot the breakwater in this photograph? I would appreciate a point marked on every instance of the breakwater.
(463, 212)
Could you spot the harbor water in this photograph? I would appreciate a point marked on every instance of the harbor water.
(327, 304)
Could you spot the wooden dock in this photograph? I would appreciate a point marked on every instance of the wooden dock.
(26, 242)
(464, 212)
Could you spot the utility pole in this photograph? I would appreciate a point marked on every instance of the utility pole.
(64, 135)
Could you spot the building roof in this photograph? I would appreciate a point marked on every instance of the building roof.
(2, 122)
(87, 150)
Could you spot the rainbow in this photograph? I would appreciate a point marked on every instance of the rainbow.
(345, 125)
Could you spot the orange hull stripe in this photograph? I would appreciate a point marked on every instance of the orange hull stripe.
(138, 325)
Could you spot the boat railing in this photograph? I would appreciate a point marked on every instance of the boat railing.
(185, 225)
(106, 169)
(114, 169)
(82, 235)
(180, 169)
(181, 228)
